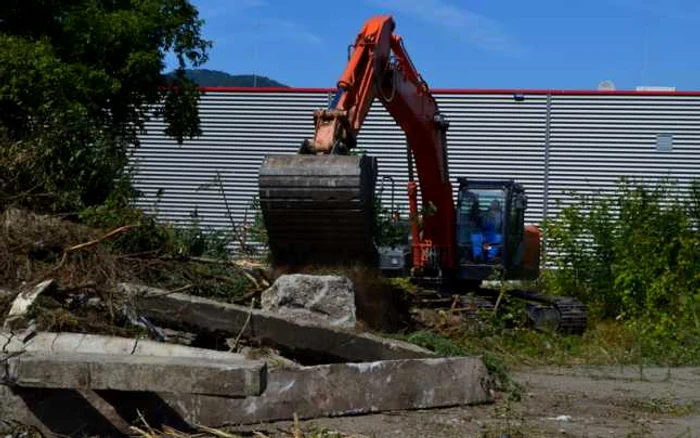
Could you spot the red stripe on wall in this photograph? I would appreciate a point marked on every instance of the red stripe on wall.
(466, 91)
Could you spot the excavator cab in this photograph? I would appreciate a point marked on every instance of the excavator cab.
(490, 230)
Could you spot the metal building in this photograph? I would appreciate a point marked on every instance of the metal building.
(551, 141)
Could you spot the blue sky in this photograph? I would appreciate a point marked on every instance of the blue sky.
(561, 44)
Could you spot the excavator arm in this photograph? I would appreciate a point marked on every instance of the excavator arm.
(318, 204)
(336, 127)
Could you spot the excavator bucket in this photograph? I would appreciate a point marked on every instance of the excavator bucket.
(318, 209)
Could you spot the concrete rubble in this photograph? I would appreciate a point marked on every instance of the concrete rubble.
(316, 298)
(69, 384)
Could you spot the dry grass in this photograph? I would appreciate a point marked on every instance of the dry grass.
(294, 431)
(81, 260)
(604, 343)
(32, 246)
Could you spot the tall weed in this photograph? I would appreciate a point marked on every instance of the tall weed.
(633, 255)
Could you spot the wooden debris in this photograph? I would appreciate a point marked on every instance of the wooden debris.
(23, 301)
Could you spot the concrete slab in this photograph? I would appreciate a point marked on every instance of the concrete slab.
(88, 371)
(311, 392)
(177, 310)
(72, 412)
(347, 389)
(99, 344)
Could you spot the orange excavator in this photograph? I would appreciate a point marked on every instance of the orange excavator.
(318, 204)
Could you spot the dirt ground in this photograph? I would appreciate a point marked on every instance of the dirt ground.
(574, 402)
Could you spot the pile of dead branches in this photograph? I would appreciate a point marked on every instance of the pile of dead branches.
(87, 267)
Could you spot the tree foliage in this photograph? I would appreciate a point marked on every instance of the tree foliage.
(78, 81)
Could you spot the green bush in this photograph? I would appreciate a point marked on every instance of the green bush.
(388, 230)
(148, 235)
(632, 255)
(257, 231)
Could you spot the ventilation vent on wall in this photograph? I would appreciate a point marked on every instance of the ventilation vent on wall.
(664, 143)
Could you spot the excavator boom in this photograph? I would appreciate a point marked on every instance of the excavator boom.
(318, 204)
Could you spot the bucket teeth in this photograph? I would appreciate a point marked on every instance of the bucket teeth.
(318, 209)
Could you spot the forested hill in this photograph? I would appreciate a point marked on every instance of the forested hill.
(216, 78)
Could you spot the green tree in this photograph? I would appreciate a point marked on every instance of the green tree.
(78, 81)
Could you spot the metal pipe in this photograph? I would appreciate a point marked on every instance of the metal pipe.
(547, 139)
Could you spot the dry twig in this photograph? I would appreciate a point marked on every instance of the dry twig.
(243, 329)
(174, 291)
(87, 285)
(85, 245)
(99, 240)
(297, 427)
(216, 432)
(247, 296)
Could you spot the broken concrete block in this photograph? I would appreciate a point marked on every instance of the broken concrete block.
(315, 298)
(89, 371)
(347, 389)
(70, 411)
(179, 310)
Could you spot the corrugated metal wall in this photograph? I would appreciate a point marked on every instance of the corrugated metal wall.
(239, 129)
(549, 142)
(596, 139)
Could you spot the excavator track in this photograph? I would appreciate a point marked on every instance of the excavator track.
(318, 209)
(564, 315)
(574, 317)
(570, 315)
